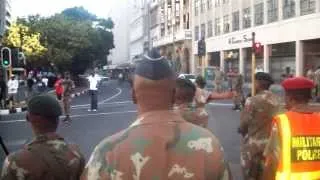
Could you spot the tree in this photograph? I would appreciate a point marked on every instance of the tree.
(76, 40)
(20, 36)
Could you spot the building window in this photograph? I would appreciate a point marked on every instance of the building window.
(272, 10)
(203, 31)
(246, 18)
(217, 27)
(210, 29)
(258, 14)
(235, 21)
(226, 24)
(209, 4)
(217, 3)
(202, 5)
(307, 7)
(289, 9)
(196, 7)
(196, 33)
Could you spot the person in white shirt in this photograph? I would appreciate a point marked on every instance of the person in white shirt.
(13, 85)
(45, 80)
(93, 79)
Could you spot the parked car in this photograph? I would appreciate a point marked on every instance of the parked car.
(191, 77)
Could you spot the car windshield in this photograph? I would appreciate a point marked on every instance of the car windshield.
(189, 76)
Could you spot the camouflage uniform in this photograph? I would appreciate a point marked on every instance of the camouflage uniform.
(68, 86)
(159, 145)
(201, 98)
(47, 157)
(255, 126)
(238, 88)
(194, 115)
(218, 81)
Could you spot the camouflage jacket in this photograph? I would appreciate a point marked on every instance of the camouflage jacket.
(190, 113)
(256, 118)
(201, 97)
(68, 87)
(159, 145)
(46, 157)
(238, 82)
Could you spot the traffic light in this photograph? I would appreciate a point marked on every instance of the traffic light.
(5, 57)
(257, 47)
(202, 47)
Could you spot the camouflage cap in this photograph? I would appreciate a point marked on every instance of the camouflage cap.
(45, 106)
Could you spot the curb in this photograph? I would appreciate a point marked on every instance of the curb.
(19, 110)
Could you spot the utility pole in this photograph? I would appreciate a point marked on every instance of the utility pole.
(253, 68)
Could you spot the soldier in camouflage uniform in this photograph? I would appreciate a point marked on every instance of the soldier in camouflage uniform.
(68, 88)
(238, 88)
(255, 126)
(160, 144)
(184, 94)
(48, 156)
(218, 80)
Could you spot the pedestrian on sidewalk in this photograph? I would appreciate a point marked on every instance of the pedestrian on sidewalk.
(13, 85)
(48, 155)
(94, 80)
(68, 88)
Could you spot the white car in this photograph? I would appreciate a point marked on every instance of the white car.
(191, 77)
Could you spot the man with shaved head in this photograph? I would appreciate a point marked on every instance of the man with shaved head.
(160, 144)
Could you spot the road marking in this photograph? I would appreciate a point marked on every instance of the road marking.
(106, 100)
(112, 103)
(220, 104)
(73, 116)
(108, 113)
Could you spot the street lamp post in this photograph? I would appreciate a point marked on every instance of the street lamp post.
(253, 89)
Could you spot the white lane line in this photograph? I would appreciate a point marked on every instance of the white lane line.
(73, 116)
(113, 103)
(106, 100)
(220, 104)
(114, 96)
(97, 114)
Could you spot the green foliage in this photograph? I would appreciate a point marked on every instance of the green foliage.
(75, 39)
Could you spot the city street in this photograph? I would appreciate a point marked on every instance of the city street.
(116, 111)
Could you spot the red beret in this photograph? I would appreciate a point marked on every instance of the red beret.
(297, 83)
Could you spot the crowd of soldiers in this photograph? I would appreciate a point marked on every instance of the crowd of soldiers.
(170, 138)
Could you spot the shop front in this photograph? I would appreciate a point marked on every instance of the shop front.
(282, 60)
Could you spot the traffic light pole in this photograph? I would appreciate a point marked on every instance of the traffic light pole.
(253, 79)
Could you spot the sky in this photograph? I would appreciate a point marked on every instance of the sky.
(101, 8)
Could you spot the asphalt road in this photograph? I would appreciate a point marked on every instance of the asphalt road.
(116, 111)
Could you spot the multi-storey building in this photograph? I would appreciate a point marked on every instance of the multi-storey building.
(139, 28)
(171, 30)
(5, 16)
(120, 15)
(287, 29)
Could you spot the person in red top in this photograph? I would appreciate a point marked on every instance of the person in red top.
(293, 151)
(59, 87)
